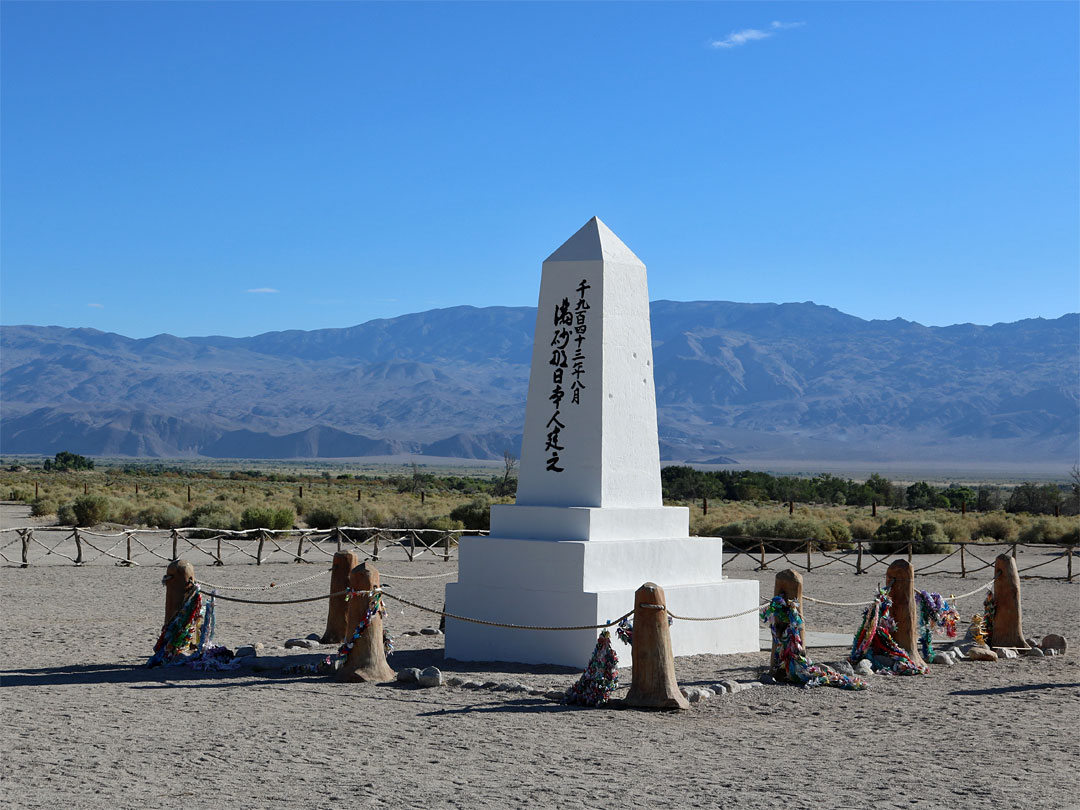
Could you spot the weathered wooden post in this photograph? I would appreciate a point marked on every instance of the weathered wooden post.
(25, 534)
(85, 488)
(127, 556)
(35, 489)
(704, 505)
(299, 549)
(1014, 551)
(809, 548)
(858, 559)
(78, 547)
(301, 491)
(762, 566)
(219, 561)
(653, 685)
(963, 565)
(873, 509)
(358, 495)
(789, 583)
(189, 493)
(337, 536)
(791, 507)
(375, 547)
(366, 661)
(179, 579)
(258, 552)
(175, 540)
(337, 614)
(900, 579)
(1069, 577)
(963, 507)
(909, 552)
(1007, 629)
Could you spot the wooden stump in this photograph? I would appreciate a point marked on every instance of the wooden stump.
(366, 661)
(790, 584)
(337, 614)
(901, 579)
(653, 684)
(179, 579)
(1007, 630)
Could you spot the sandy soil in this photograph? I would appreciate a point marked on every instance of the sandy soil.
(85, 725)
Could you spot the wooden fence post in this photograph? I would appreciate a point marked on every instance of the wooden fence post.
(447, 539)
(337, 536)
(873, 509)
(357, 495)
(337, 613)
(78, 547)
(175, 539)
(909, 552)
(375, 549)
(178, 580)
(900, 581)
(1007, 629)
(35, 489)
(1014, 551)
(189, 493)
(219, 561)
(127, 556)
(1069, 578)
(791, 507)
(85, 488)
(963, 565)
(25, 534)
(299, 549)
(258, 553)
(704, 505)
(762, 566)
(653, 684)
(412, 546)
(809, 548)
(858, 560)
(366, 661)
(789, 583)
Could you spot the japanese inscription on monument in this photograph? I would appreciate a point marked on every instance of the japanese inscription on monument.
(566, 319)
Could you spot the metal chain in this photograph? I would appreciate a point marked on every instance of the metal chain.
(271, 586)
(717, 618)
(503, 624)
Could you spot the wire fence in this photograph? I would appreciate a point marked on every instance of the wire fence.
(132, 547)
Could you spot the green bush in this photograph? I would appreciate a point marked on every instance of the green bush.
(863, 529)
(90, 510)
(838, 535)
(39, 507)
(1047, 530)
(65, 515)
(476, 514)
(211, 516)
(321, 517)
(924, 536)
(995, 527)
(265, 517)
(161, 516)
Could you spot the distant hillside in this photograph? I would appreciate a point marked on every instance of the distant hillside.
(734, 381)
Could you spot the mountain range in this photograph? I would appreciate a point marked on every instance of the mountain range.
(734, 383)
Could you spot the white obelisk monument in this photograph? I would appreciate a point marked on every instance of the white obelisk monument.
(589, 526)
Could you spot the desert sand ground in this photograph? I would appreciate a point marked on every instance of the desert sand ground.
(86, 725)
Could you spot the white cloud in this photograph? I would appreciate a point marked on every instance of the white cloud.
(737, 38)
(264, 290)
(96, 306)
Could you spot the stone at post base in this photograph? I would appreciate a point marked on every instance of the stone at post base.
(337, 614)
(366, 661)
(1007, 630)
(179, 579)
(789, 583)
(901, 579)
(653, 684)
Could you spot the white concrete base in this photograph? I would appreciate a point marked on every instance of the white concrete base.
(539, 582)
(589, 522)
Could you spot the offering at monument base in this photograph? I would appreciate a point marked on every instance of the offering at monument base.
(589, 526)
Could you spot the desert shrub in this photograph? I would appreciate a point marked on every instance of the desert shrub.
(39, 507)
(212, 516)
(863, 529)
(932, 540)
(445, 523)
(838, 535)
(894, 534)
(409, 519)
(90, 510)
(123, 512)
(65, 515)
(23, 495)
(161, 516)
(957, 529)
(476, 514)
(1049, 530)
(266, 517)
(995, 527)
(326, 517)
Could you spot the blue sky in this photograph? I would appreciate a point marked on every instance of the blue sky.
(235, 168)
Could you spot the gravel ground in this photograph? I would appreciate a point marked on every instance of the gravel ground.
(87, 726)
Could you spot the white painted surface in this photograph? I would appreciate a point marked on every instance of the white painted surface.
(580, 540)
(589, 523)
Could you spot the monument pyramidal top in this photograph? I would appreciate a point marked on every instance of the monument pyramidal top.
(594, 241)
